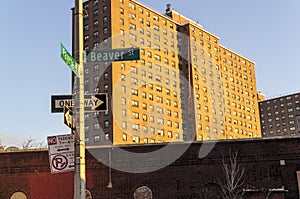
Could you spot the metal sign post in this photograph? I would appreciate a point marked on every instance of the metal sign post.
(80, 177)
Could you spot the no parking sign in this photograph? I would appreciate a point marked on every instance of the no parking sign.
(61, 153)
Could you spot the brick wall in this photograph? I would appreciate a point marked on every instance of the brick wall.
(270, 164)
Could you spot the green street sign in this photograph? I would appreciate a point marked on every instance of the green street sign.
(121, 54)
(68, 59)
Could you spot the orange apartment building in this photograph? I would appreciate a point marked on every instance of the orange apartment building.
(186, 85)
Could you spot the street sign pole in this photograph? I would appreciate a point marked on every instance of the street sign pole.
(80, 176)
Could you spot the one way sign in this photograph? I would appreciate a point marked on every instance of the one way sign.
(68, 117)
(92, 102)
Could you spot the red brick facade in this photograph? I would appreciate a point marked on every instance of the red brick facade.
(270, 168)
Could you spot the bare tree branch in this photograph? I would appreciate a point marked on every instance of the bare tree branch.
(233, 181)
(30, 143)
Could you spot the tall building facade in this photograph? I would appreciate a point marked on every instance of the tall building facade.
(280, 116)
(186, 86)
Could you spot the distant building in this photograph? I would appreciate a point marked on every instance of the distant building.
(280, 116)
(186, 85)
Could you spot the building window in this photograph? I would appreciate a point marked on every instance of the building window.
(157, 57)
(148, 33)
(106, 124)
(122, 22)
(104, 8)
(106, 113)
(95, 44)
(141, 20)
(132, 6)
(96, 68)
(121, 11)
(132, 37)
(134, 70)
(96, 114)
(132, 26)
(124, 136)
(96, 126)
(105, 19)
(123, 77)
(95, 24)
(86, 7)
(106, 87)
(135, 103)
(96, 79)
(105, 76)
(160, 132)
(122, 33)
(144, 106)
(96, 34)
(124, 125)
(135, 127)
(96, 12)
(86, 116)
(148, 43)
(122, 43)
(105, 30)
(135, 115)
(97, 138)
(124, 112)
(291, 122)
(132, 16)
(134, 92)
(86, 128)
(136, 139)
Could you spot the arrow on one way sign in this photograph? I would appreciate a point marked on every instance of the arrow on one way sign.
(96, 102)
(68, 117)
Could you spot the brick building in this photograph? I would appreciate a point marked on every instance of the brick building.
(280, 116)
(271, 168)
(185, 80)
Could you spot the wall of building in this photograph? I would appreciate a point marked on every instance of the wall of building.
(185, 81)
(279, 116)
(269, 164)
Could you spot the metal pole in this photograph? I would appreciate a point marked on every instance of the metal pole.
(80, 176)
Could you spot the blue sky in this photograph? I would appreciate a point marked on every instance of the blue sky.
(265, 31)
